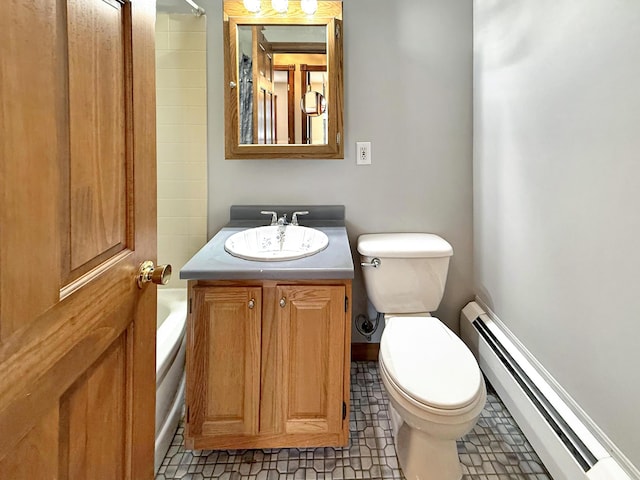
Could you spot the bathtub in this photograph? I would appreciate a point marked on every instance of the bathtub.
(170, 376)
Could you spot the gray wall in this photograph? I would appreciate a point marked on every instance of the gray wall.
(408, 66)
(556, 202)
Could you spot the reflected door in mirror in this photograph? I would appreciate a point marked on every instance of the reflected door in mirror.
(313, 104)
(255, 72)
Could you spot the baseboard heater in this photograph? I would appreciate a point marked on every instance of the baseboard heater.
(567, 447)
(581, 453)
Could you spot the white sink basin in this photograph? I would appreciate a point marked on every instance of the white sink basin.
(276, 243)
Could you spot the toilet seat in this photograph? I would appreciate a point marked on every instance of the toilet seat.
(429, 364)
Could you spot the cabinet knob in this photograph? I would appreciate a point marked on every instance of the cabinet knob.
(283, 302)
(252, 304)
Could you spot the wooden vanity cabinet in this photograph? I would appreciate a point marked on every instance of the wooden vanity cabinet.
(268, 364)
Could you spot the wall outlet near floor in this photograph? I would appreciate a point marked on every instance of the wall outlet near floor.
(363, 153)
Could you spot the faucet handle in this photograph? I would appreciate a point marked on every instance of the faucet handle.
(294, 218)
(274, 216)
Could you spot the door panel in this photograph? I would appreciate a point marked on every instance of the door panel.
(36, 454)
(312, 325)
(269, 121)
(28, 189)
(98, 143)
(224, 336)
(263, 88)
(92, 425)
(77, 389)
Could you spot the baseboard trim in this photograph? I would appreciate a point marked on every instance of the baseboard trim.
(365, 351)
(525, 386)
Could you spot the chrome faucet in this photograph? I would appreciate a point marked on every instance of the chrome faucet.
(283, 219)
(274, 216)
(294, 218)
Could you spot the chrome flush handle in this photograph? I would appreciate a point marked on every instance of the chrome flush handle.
(375, 263)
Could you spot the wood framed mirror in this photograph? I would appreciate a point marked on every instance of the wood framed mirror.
(283, 86)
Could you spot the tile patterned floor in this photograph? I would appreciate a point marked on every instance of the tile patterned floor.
(495, 449)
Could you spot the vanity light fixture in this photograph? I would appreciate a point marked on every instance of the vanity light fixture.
(309, 6)
(280, 6)
(252, 5)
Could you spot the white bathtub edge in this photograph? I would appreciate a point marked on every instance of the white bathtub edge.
(166, 433)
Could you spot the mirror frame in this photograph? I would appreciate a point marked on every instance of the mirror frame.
(329, 13)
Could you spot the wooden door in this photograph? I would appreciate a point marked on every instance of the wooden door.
(289, 102)
(312, 323)
(263, 112)
(77, 217)
(223, 364)
(309, 121)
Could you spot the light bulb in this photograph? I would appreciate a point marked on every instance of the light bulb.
(252, 5)
(280, 6)
(309, 6)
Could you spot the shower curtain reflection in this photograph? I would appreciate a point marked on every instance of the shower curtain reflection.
(246, 100)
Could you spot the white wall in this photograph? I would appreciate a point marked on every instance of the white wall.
(556, 203)
(408, 91)
(181, 90)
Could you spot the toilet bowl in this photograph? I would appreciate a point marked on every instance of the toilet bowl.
(436, 394)
(435, 388)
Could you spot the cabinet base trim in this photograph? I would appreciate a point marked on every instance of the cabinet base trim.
(365, 352)
(235, 442)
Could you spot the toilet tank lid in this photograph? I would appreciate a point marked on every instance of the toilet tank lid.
(403, 245)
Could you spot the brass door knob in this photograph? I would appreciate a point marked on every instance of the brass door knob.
(160, 275)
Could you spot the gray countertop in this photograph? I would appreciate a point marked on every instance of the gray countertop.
(213, 262)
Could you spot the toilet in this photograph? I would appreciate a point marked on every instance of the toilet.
(435, 388)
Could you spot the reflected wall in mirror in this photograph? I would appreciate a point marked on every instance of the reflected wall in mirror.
(283, 91)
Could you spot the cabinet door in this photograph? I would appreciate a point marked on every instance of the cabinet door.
(312, 320)
(223, 363)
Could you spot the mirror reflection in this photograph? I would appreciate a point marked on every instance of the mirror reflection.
(283, 81)
(313, 104)
(282, 84)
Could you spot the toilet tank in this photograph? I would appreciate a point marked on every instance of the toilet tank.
(412, 272)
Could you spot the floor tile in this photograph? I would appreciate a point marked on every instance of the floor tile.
(495, 449)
